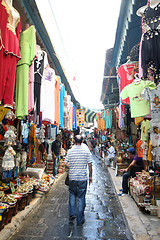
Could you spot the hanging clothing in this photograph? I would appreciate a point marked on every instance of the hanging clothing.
(47, 95)
(140, 149)
(155, 133)
(10, 26)
(62, 95)
(151, 40)
(74, 118)
(139, 106)
(27, 45)
(145, 127)
(108, 119)
(150, 151)
(38, 73)
(125, 74)
(57, 100)
(154, 97)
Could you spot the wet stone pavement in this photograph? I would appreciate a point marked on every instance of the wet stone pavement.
(103, 214)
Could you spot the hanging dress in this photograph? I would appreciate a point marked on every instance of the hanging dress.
(150, 52)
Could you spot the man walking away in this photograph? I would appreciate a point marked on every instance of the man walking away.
(56, 145)
(77, 160)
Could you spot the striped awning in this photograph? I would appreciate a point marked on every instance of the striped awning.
(89, 115)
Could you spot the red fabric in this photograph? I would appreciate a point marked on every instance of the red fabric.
(9, 39)
(7, 77)
(125, 74)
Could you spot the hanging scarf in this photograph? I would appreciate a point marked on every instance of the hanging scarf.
(32, 144)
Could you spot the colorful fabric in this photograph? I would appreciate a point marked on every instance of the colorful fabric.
(140, 150)
(155, 133)
(32, 144)
(154, 97)
(27, 45)
(145, 127)
(57, 100)
(62, 95)
(150, 151)
(139, 106)
(74, 118)
(8, 64)
(125, 74)
(10, 27)
(108, 119)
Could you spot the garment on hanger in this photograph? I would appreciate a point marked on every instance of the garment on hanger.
(145, 127)
(48, 95)
(155, 133)
(10, 26)
(125, 74)
(139, 106)
(38, 73)
(27, 45)
(150, 40)
(154, 97)
(140, 149)
(62, 95)
(57, 100)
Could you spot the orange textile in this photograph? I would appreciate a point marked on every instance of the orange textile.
(150, 151)
(57, 100)
(138, 120)
(100, 122)
(140, 150)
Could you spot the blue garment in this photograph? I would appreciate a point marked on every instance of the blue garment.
(77, 202)
(74, 118)
(108, 119)
(61, 97)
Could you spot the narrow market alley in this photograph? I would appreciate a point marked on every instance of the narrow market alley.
(103, 214)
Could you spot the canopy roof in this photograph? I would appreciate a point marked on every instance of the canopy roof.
(128, 32)
(34, 15)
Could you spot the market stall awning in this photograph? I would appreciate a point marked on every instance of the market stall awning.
(89, 115)
(34, 15)
(128, 32)
(110, 91)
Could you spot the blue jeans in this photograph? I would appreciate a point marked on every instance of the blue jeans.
(77, 201)
(125, 177)
(55, 164)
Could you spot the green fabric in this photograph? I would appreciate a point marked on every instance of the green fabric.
(145, 126)
(139, 106)
(27, 49)
(27, 46)
(22, 91)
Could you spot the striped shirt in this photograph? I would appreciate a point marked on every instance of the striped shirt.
(78, 158)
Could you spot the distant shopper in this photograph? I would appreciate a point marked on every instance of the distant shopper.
(77, 160)
(56, 145)
(135, 166)
(111, 154)
(94, 143)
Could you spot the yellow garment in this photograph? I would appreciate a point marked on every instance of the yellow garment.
(138, 120)
(3, 112)
(149, 151)
(100, 122)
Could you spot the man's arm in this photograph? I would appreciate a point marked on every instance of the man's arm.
(131, 164)
(90, 172)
